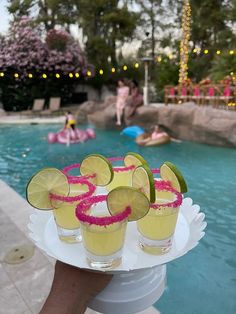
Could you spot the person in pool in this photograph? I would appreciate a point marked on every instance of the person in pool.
(70, 121)
(156, 134)
(70, 127)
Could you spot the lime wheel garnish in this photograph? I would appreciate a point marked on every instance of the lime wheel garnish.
(98, 168)
(143, 180)
(134, 159)
(169, 172)
(44, 182)
(128, 197)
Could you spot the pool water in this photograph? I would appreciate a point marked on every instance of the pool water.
(204, 280)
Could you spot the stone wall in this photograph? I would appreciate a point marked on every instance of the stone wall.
(186, 122)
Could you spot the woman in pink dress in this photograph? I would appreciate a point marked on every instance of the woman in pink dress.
(122, 96)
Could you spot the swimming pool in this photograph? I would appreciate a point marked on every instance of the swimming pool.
(203, 281)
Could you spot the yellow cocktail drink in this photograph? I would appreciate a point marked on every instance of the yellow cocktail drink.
(103, 240)
(122, 177)
(68, 225)
(102, 234)
(158, 226)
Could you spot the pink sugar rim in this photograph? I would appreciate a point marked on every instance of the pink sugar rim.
(75, 179)
(115, 169)
(71, 199)
(165, 186)
(84, 206)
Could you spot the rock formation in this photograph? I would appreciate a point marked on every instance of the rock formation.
(202, 124)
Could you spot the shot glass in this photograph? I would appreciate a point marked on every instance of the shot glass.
(103, 235)
(122, 177)
(68, 226)
(157, 228)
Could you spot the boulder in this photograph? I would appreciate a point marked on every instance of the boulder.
(2, 112)
(104, 119)
(186, 122)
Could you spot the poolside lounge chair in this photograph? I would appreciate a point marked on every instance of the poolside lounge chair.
(226, 97)
(170, 96)
(54, 106)
(36, 109)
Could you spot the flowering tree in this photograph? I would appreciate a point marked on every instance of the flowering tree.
(25, 57)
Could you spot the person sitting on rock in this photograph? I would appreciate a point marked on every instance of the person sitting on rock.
(135, 100)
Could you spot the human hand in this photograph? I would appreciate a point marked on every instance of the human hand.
(73, 288)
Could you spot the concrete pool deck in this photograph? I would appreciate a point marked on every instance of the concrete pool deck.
(24, 286)
(17, 119)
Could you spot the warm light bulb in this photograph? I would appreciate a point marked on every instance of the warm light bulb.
(44, 76)
(206, 51)
(195, 50)
(113, 70)
(30, 75)
(77, 75)
(101, 71)
(16, 75)
(125, 67)
(159, 59)
(218, 52)
(58, 75)
(1, 74)
(136, 65)
(231, 73)
(89, 73)
(71, 75)
(231, 52)
(170, 56)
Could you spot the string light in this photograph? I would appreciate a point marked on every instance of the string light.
(113, 70)
(136, 65)
(30, 75)
(231, 73)
(195, 50)
(44, 76)
(76, 75)
(89, 73)
(71, 75)
(125, 67)
(101, 72)
(231, 52)
(16, 75)
(170, 56)
(159, 59)
(218, 52)
(206, 51)
(1, 74)
(184, 44)
(58, 75)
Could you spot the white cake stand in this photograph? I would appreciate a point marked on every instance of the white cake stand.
(140, 280)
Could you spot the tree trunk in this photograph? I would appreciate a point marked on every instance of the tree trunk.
(153, 34)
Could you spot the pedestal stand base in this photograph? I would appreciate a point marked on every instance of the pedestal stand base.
(131, 292)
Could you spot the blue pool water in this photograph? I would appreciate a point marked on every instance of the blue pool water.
(204, 280)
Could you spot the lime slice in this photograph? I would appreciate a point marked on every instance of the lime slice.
(143, 180)
(133, 159)
(42, 183)
(124, 196)
(99, 166)
(170, 172)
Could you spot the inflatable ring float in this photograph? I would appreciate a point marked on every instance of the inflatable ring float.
(164, 139)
